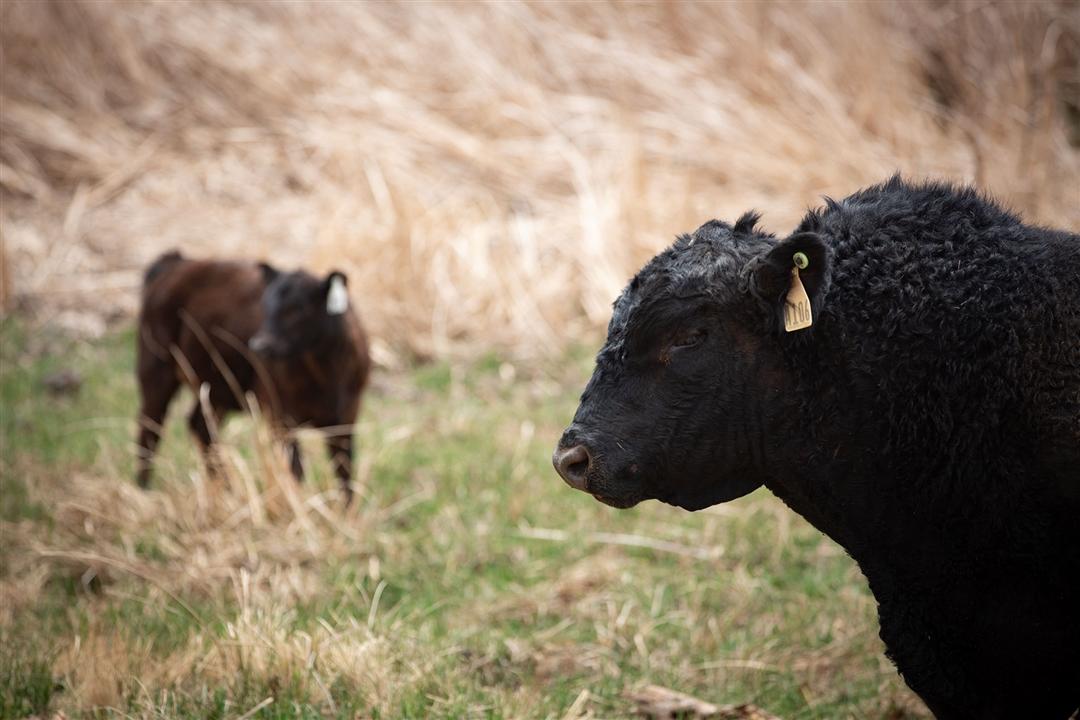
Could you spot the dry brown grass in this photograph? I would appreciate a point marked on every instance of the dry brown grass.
(251, 541)
(491, 174)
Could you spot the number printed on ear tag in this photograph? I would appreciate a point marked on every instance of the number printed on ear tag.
(797, 314)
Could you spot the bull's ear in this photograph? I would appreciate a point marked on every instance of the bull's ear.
(269, 272)
(771, 277)
(337, 297)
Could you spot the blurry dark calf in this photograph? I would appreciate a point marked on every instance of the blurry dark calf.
(225, 329)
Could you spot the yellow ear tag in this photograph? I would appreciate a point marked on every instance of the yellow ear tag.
(797, 314)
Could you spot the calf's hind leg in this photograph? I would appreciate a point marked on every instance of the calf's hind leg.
(157, 386)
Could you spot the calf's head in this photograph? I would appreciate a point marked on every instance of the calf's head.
(691, 378)
(300, 312)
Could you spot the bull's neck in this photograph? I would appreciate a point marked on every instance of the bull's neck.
(830, 462)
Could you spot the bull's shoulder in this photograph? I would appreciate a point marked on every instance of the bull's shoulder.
(899, 212)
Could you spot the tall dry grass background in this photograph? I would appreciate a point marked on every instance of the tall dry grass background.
(491, 174)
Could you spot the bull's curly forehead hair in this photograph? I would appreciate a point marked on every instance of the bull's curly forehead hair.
(708, 261)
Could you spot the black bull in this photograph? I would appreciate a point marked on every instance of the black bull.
(928, 420)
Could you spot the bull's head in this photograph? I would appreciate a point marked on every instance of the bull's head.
(691, 380)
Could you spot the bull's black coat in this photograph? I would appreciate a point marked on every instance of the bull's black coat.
(928, 421)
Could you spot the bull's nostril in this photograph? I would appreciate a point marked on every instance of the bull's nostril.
(579, 468)
(573, 465)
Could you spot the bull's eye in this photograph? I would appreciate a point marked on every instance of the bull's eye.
(689, 339)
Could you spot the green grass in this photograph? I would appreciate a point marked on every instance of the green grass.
(26, 683)
(118, 602)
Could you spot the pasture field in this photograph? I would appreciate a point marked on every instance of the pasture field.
(465, 581)
(488, 175)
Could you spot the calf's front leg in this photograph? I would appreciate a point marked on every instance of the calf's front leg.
(200, 427)
(296, 464)
(340, 447)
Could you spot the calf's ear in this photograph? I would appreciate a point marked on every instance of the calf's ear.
(771, 279)
(337, 297)
(269, 272)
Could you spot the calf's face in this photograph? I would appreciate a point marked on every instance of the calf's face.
(300, 312)
(686, 386)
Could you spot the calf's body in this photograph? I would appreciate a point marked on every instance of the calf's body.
(227, 329)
